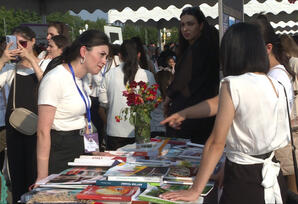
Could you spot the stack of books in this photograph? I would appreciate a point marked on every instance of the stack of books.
(132, 174)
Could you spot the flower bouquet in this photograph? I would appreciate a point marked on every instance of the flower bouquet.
(141, 100)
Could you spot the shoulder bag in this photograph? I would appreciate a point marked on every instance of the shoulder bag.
(292, 145)
(22, 119)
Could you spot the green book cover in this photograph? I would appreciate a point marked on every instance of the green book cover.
(152, 193)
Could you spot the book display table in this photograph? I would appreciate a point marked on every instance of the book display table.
(132, 174)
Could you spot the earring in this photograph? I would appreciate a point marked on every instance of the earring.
(82, 60)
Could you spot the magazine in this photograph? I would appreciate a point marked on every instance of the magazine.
(108, 193)
(133, 172)
(49, 195)
(77, 175)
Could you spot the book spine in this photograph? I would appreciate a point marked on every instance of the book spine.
(103, 197)
(121, 183)
(135, 179)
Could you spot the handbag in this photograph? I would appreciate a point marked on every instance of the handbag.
(22, 119)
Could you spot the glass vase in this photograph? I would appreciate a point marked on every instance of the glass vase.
(142, 133)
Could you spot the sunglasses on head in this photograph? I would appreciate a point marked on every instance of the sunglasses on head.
(23, 43)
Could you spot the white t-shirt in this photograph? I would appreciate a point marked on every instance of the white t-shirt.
(261, 123)
(110, 96)
(280, 74)
(58, 89)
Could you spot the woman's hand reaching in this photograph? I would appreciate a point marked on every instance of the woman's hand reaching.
(175, 120)
(184, 195)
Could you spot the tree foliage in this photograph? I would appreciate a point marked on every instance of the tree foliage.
(12, 18)
(147, 34)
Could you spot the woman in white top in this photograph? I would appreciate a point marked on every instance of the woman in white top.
(279, 61)
(63, 102)
(110, 94)
(21, 148)
(251, 122)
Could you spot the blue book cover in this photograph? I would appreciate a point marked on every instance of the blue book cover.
(120, 183)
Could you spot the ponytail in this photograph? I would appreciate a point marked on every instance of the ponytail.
(129, 54)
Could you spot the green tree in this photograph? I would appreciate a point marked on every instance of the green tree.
(174, 35)
(11, 18)
(130, 31)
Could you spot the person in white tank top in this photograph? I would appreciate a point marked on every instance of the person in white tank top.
(251, 123)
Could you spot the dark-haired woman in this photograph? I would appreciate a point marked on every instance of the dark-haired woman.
(279, 61)
(56, 45)
(21, 148)
(55, 28)
(111, 98)
(63, 102)
(252, 175)
(196, 73)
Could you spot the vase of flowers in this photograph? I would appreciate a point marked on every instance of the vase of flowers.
(141, 100)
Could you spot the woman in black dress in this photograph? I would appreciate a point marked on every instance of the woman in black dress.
(196, 73)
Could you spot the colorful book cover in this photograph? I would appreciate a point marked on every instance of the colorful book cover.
(182, 172)
(108, 193)
(132, 172)
(49, 195)
(121, 183)
(152, 193)
(78, 175)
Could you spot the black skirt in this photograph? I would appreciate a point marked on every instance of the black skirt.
(65, 147)
(242, 184)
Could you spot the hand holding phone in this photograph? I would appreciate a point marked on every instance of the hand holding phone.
(12, 39)
(11, 52)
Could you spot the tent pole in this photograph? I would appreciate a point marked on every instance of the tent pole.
(44, 19)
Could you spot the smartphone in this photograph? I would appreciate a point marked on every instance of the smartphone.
(13, 39)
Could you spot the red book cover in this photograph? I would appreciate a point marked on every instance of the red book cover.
(108, 193)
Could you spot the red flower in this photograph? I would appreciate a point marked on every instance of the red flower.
(131, 97)
(292, 1)
(139, 100)
(155, 86)
(117, 118)
(133, 84)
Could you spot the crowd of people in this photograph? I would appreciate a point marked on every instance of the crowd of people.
(76, 87)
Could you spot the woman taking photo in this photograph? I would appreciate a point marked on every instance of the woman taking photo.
(252, 174)
(21, 149)
(112, 99)
(63, 102)
(196, 74)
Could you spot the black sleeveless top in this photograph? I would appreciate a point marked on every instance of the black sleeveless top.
(26, 94)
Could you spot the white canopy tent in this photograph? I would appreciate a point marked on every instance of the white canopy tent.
(44, 7)
(282, 14)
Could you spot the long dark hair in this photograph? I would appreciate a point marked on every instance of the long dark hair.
(89, 38)
(163, 79)
(243, 50)
(143, 59)
(270, 36)
(25, 32)
(129, 54)
(207, 33)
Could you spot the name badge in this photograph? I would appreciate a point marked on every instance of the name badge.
(91, 143)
